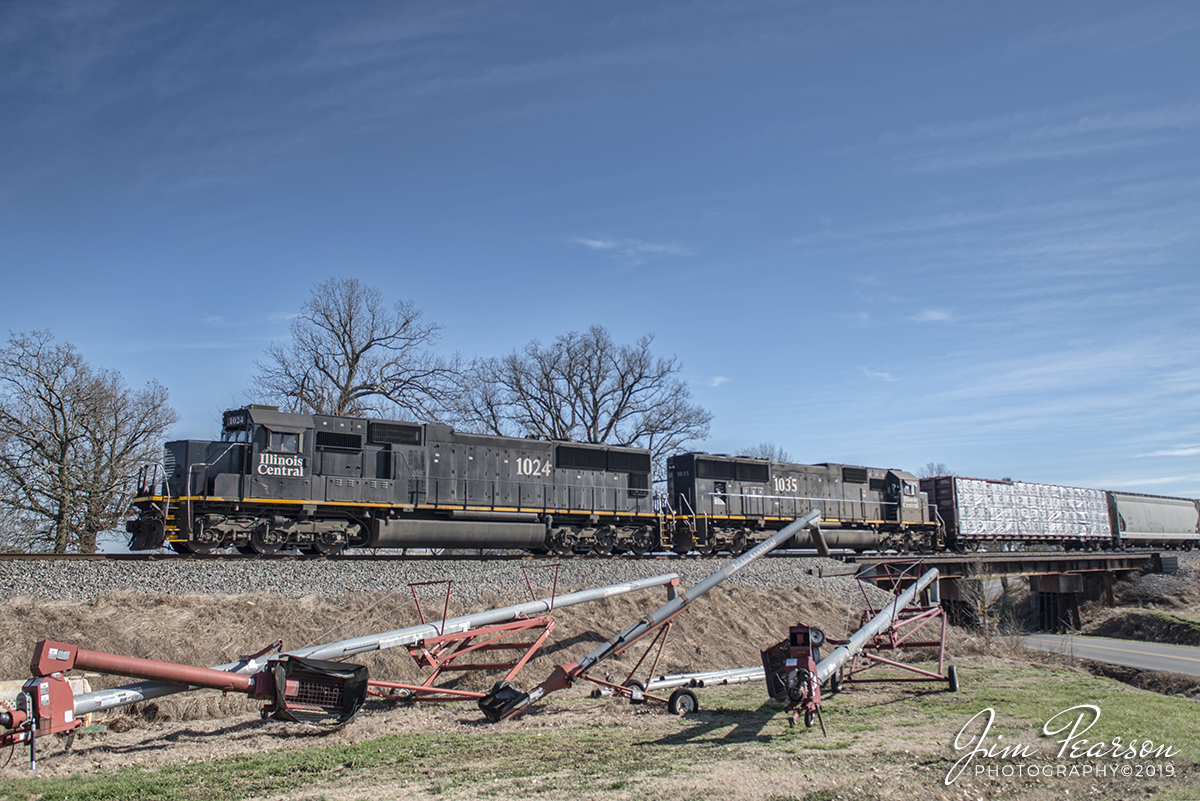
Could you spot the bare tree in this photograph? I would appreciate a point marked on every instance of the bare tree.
(587, 388)
(931, 469)
(352, 354)
(766, 450)
(71, 442)
(18, 531)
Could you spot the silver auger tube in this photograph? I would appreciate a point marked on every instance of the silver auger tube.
(677, 604)
(146, 690)
(843, 653)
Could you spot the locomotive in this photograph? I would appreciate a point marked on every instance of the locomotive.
(323, 483)
(727, 501)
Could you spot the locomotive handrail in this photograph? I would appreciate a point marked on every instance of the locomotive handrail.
(793, 500)
(578, 498)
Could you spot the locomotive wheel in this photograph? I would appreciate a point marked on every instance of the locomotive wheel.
(260, 545)
(322, 548)
(604, 543)
(564, 542)
(682, 702)
(642, 542)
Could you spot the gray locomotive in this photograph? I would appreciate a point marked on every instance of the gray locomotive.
(729, 501)
(321, 484)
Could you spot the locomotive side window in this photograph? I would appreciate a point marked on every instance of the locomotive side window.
(284, 442)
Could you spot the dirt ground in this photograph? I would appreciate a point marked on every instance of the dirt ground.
(725, 629)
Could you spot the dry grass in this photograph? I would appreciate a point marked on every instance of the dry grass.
(724, 629)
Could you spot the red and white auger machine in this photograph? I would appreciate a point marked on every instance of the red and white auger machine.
(308, 691)
(795, 669)
(304, 685)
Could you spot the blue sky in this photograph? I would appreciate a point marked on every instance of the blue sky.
(877, 233)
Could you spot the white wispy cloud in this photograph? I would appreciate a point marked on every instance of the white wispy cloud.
(718, 380)
(876, 375)
(1183, 450)
(270, 317)
(633, 250)
(220, 322)
(1119, 483)
(1071, 131)
(933, 316)
(1144, 26)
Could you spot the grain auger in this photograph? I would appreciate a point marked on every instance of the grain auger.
(506, 701)
(795, 670)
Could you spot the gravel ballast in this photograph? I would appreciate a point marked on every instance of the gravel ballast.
(474, 581)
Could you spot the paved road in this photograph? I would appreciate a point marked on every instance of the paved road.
(1130, 653)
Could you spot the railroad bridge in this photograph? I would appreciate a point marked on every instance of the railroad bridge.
(1059, 581)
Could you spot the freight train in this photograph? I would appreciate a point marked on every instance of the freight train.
(323, 483)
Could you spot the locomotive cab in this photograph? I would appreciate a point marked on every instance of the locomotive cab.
(903, 503)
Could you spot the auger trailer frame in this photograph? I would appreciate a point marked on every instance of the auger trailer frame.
(506, 701)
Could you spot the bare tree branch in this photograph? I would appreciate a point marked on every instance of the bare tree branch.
(352, 354)
(584, 387)
(766, 450)
(71, 442)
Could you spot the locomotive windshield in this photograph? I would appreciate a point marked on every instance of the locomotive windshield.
(284, 442)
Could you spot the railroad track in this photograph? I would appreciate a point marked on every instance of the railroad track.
(164, 556)
(284, 557)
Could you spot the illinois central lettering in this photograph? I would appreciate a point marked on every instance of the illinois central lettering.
(272, 464)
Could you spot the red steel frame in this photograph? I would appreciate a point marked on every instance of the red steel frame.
(899, 635)
(444, 652)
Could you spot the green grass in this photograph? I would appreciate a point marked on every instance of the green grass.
(737, 725)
